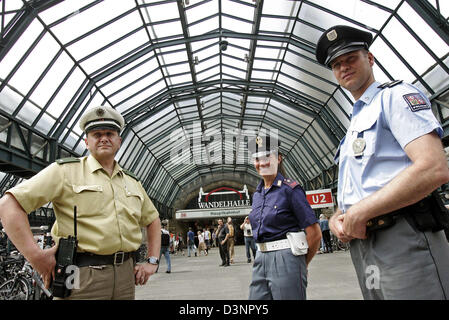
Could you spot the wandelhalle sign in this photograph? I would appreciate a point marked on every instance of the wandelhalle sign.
(218, 203)
(223, 197)
(320, 198)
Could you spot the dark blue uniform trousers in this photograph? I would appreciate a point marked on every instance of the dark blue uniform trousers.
(278, 275)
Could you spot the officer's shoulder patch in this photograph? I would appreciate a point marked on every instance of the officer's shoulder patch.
(291, 183)
(67, 160)
(416, 101)
(129, 173)
(390, 84)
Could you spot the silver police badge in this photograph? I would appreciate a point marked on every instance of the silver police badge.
(358, 146)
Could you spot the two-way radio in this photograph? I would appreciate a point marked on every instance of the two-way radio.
(65, 257)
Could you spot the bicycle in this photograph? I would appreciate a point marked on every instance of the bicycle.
(337, 244)
(25, 285)
(10, 265)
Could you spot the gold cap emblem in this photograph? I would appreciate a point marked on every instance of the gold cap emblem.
(100, 112)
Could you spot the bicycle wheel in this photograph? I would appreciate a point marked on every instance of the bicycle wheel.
(343, 246)
(15, 289)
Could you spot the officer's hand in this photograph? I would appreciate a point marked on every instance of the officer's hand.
(44, 263)
(353, 225)
(336, 226)
(143, 271)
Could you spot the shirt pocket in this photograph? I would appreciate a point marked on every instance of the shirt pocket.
(89, 199)
(134, 201)
(365, 128)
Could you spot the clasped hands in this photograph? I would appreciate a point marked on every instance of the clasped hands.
(348, 226)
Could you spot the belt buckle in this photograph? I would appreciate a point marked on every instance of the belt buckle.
(120, 260)
(263, 246)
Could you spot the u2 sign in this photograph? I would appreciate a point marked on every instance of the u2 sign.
(320, 198)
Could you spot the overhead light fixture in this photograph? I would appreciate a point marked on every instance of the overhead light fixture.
(246, 58)
(223, 45)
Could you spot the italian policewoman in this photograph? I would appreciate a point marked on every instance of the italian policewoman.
(280, 215)
(112, 207)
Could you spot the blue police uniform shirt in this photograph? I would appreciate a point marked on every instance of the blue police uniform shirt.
(387, 119)
(279, 209)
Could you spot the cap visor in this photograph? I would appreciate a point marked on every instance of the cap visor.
(103, 127)
(342, 51)
(262, 154)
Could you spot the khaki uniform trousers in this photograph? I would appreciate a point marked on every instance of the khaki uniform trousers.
(231, 243)
(105, 283)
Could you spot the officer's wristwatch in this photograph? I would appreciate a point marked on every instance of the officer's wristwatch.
(153, 260)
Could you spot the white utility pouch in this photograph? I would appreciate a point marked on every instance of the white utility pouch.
(298, 242)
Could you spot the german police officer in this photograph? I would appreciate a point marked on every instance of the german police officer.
(112, 207)
(279, 209)
(390, 160)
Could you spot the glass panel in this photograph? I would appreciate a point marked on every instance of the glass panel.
(80, 23)
(407, 46)
(113, 53)
(52, 80)
(390, 61)
(424, 31)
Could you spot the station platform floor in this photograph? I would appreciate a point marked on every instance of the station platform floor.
(331, 277)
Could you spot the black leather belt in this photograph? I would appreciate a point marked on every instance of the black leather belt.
(84, 259)
(389, 219)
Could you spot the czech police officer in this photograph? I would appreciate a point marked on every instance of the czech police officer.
(389, 161)
(112, 206)
(279, 208)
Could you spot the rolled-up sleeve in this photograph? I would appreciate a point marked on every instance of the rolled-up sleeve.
(408, 114)
(40, 189)
(149, 211)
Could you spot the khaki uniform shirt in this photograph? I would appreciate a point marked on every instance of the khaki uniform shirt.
(110, 209)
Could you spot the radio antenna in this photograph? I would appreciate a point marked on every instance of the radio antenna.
(74, 220)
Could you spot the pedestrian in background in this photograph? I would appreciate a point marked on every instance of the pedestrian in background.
(165, 248)
(191, 242)
(222, 235)
(231, 240)
(326, 236)
(249, 239)
(201, 244)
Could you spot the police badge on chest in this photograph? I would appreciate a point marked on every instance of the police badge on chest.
(358, 146)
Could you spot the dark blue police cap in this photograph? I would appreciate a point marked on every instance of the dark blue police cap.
(339, 40)
(263, 145)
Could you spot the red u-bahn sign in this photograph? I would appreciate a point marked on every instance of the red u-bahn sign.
(320, 198)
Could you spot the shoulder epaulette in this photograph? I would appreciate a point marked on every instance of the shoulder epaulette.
(67, 160)
(390, 84)
(129, 173)
(291, 183)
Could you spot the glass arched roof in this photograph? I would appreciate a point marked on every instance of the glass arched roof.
(193, 78)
